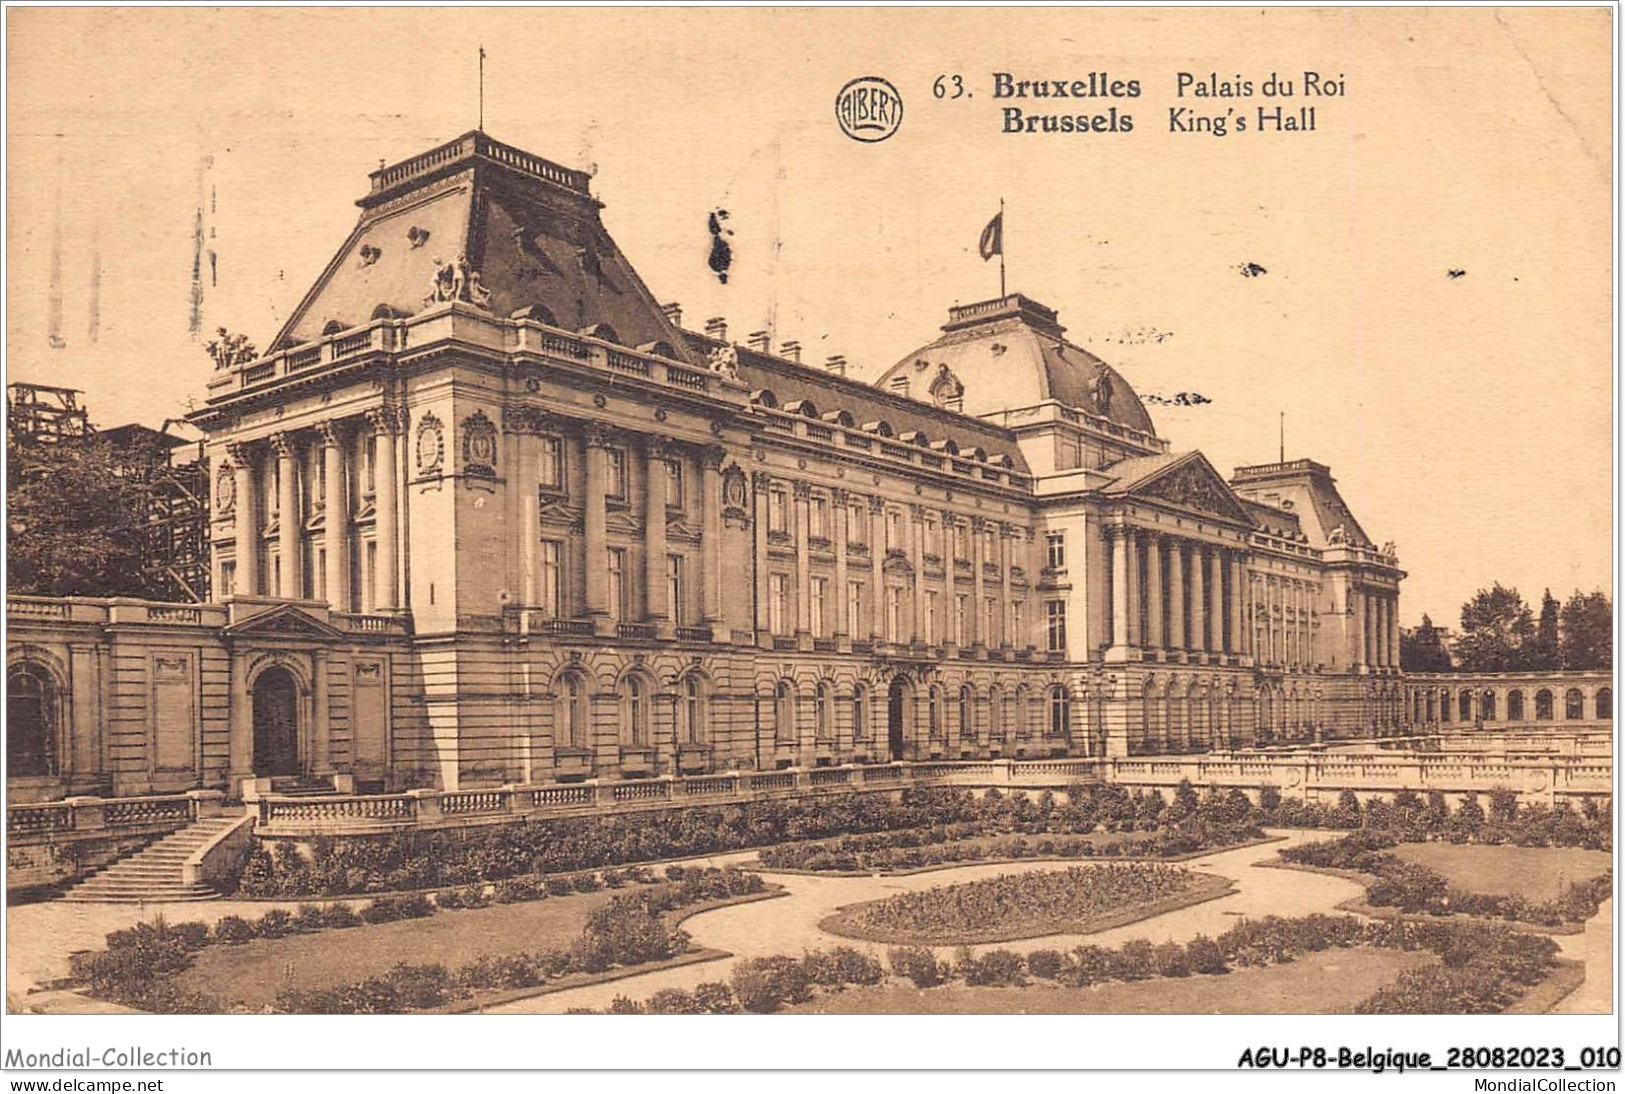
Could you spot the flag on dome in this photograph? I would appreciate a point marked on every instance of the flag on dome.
(993, 237)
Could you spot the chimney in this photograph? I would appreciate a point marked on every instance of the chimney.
(717, 328)
(674, 314)
(760, 340)
(836, 364)
(791, 349)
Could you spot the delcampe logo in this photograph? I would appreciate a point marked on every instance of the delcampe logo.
(869, 109)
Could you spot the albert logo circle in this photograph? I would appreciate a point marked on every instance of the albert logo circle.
(869, 109)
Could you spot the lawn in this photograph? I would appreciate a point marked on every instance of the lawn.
(250, 975)
(1329, 982)
(1536, 873)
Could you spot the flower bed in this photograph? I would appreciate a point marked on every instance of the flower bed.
(1074, 900)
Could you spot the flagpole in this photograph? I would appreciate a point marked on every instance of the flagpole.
(482, 89)
(1001, 247)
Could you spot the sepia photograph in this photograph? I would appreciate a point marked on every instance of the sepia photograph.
(868, 511)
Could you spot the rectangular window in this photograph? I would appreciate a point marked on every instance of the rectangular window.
(778, 510)
(1055, 621)
(674, 484)
(1019, 637)
(228, 578)
(961, 540)
(674, 588)
(961, 622)
(615, 463)
(990, 545)
(1056, 544)
(369, 462)
(933, 537)
(617, 583)
(816, 609)
(857, 523)
(854, 608)
(990, 622)
(778, 602)
(551, 592)
(550, 465)
(894, 613)
(894, 530)
(929, 627)
(819, 517)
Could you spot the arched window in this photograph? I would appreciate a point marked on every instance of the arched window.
(935, 705)
(824, 712)
(1574, 704)
(691, 710)
(1023, 704)
(1465, 706)
(860, 712)
(1543, 705)
(998, 712)
(1486, 706)
(30, 722)
(635, 703)
(1060, 711)
(572, 712)
(1514, 706)
(1605, 704)
(1433, 707)
(1444, 706)
(784, 712)
(967, 715)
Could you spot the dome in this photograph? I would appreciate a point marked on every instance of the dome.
(1012, 352)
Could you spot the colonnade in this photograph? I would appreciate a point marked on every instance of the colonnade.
(1172, 593)
(1376, 628)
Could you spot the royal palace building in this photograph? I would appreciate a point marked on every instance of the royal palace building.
(486, 513)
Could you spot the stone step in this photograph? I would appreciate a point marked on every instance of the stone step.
(154, 874)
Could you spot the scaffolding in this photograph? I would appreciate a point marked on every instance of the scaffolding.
(42, 414)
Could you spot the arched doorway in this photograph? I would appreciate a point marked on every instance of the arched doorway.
(276, 723)
(897, 704)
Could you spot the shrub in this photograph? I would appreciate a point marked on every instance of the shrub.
(672, 1001)
(622, 1005)
(559, 886)
(192, 935)
(1169, 960)
(1134, 960)
(340, 915)
(1203, 955)
(587, 883)
(514, 890)
(274, 924)
(1045, 964)
(917, 964)
(309, 917)
(715, 997)
(233, 930)
(995, 968)
(388, 909)
(764, 984)
(420, 987)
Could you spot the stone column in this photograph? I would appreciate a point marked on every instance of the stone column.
(1369, 603)
(1006, 558)
(1153, 591)
(978, 555)
(1117, 536)
(336, 509)
(320, 762)
(246, 522)
(1356, 612)
(1177, 637)
(802, 495)
(529, 531)
(1238, 604)
(916, 554)
(288, 535)
(657, 611)
(1198, 592)
(711, 534)
(1135, 637)
(385, 422)
(595, 557)
(760, 482)
(1215, 597)
(1393, 632)
(241, 749)
(840, 499)
(877, 588)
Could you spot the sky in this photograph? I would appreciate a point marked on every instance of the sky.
(1467, 418)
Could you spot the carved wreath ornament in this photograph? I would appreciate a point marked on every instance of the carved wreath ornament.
(431, 445)
(479, 445)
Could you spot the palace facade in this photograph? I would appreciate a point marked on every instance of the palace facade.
(486, 513)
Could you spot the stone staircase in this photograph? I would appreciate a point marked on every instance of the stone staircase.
(155, 873)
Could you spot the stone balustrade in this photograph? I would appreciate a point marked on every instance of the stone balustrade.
(95, 817)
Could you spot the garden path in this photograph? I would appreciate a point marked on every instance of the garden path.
(789, 925)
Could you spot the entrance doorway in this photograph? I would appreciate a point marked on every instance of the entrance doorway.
(276, 723)
(897, 706)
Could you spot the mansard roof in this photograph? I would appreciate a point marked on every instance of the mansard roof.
(526, 232)
(1323, 516)
(828, 392)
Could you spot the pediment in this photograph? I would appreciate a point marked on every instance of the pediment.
(1192, 484)
(285, 620)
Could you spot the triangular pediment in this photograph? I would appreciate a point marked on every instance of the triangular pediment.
(1187, 481)
(285, 620)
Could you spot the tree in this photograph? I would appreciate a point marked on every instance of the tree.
(1588, 631)
(74, 526)
(1496, 631)
(1543, 655)
(1422, 649)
